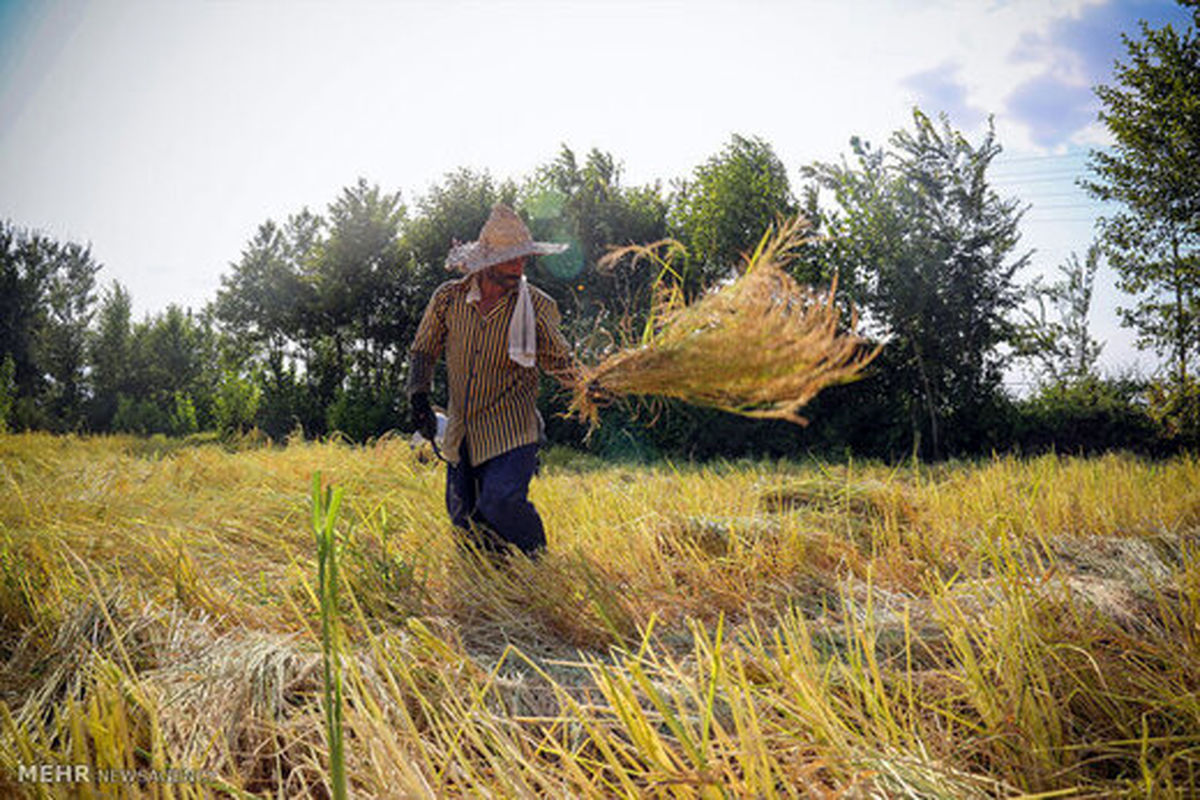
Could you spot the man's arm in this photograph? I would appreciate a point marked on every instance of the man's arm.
(553, 353)
(428, 343)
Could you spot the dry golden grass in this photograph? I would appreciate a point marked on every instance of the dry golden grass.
(753, 629)
(761, 346)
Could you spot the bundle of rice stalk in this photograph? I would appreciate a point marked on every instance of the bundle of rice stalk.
(761, 346)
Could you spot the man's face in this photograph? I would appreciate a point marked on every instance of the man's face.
(508, 274)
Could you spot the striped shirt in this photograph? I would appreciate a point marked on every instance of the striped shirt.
(492, 398)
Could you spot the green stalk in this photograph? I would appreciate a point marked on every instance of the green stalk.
(325, 510)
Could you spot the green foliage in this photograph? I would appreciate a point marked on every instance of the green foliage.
(587, 207)
(110, 352)
(311, 325)
(360, 411)
(1174, 405)
(318, 301)
(139, 415)
(8, 389)
(235, 404)
(359, 276)
(1152, 112)
(1063, 347)
(1086, 415)
(157, 376)
(730, 200)
(285, 400)
(48, 290)
(261, 303)
(183, 417)
(62, 343)
(919, 239)
(325, 507)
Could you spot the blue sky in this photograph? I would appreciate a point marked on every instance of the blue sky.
(164, 133)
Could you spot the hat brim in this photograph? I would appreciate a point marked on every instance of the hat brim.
(473, 256)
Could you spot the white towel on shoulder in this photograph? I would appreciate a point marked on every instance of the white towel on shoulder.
(522, 329)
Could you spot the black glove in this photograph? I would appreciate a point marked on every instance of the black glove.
(423, 418)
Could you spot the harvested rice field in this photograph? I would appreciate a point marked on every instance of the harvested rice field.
(1004, 628)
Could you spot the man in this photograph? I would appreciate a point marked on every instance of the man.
(495, 331)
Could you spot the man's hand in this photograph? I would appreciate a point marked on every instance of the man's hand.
(423, 418)
(598, 395)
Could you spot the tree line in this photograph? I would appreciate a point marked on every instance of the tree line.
(310, 327)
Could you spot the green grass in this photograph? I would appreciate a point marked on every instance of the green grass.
(754, 629)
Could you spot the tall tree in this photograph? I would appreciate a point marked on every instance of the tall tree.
(1152, 171)
(70, 303)
(26, 263)
(1062, 345)
(587, 206)
(359, 263)
(453, 210)
(48, 291)
(928, 248)
(110, 355)
(261, 300)
(723, 210)
(266, 309)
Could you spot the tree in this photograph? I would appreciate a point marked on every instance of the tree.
(261, 300)
(25, 267)
(109, 355)
(48, 289)
(170, 374)
(1152, 171)
(1063, 346)
(727, 205)
(8, 390)
(314, 306)
(453, 210)
(235, 405)
(266, 311)
(926, 249)
(587, 207)
(359, 282)
(358, 266)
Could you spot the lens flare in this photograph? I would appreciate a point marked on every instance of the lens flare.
(566, 265)
(546, 204)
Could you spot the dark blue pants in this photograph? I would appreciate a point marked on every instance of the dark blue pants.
(489, 502)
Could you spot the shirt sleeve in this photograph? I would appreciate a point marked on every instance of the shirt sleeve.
(553, 353)
(428, 343)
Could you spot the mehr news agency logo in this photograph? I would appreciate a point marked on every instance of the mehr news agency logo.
(86, 773)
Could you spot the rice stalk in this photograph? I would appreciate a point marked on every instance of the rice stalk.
(762, 346)
(325, 511)
(948, 630)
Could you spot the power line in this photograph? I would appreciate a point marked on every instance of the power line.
(1010, 181)
(1021, 171)
(1074, 193)
(1048, 157)
(1018, 171)
(1056, 220)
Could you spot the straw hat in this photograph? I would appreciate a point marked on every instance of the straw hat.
(503, 238)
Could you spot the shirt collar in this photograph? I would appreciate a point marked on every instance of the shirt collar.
(475, 294)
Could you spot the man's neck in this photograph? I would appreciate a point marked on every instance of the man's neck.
(490, 293)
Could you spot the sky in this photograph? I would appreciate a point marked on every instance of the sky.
(164, 133)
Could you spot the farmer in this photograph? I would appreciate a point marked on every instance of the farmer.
(495, 331)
